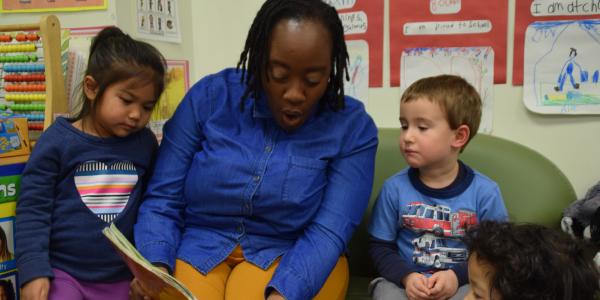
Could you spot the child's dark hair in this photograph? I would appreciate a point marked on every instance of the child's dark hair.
(531, 261)
(254, 59)
(114, 57)
(9, 290)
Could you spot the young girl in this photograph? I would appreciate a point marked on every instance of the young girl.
(87, 172)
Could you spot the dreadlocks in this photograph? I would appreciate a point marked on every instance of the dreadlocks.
(254, 59)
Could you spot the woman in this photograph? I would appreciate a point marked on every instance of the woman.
(265, 170)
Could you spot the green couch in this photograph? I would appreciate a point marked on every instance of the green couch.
(533, 188)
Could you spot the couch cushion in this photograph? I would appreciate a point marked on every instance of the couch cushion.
(357, 288)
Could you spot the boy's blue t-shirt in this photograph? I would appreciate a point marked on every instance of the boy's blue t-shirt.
(427, 224)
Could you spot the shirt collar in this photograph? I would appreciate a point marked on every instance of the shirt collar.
(458, 186)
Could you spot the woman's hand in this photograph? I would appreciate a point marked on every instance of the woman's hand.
(275, 295)
(36, 289)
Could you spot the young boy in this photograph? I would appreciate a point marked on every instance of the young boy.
(423, 211)
(508, 261)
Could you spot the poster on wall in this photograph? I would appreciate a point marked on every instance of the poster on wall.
(158, 20)
(448, 23)
(358, 70)
(475, 65)
(178, 82)
(562, 71)
(529, 11)
(8, 264)
(28, 6)
(363, 21)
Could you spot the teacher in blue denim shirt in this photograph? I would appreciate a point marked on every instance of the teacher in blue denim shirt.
(264, 171)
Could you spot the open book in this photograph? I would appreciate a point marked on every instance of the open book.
(144, 271)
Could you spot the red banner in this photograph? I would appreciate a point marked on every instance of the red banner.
(482, 23)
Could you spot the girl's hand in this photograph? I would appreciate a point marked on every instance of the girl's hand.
(137, 290)
(275, 295)
(36, 289)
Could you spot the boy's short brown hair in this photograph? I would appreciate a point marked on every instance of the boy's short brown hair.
(456, 97)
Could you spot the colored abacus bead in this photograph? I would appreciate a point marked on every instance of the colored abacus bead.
(33, 37)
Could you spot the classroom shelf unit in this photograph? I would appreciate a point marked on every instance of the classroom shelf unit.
(31, 79)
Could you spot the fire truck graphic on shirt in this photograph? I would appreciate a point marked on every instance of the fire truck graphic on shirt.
(438, 230)
(438, 219)
(433, 251)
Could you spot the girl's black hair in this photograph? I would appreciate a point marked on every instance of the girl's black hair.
(254, 59)
(114, 57)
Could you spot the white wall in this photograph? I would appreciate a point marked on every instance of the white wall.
(214, 32)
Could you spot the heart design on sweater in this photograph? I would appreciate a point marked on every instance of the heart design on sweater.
(105, 188)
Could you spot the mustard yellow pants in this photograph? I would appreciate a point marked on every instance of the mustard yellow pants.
(236, 279)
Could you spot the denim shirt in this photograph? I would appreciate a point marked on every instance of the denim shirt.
(226, 177)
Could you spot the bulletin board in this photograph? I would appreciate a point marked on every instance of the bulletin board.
(448, 23)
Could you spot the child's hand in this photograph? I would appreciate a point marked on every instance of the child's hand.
(416, 288)
(137, 290)
(36, 289)
(443, 284)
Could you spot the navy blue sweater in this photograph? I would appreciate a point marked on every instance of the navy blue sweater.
(74, 184)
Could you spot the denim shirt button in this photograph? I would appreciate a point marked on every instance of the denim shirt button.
(268, 148)
(256, 178)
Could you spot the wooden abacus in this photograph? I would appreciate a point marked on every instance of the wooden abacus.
(29, 84)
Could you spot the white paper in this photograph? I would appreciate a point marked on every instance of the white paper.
(540, 8)
(358, 69)
(561, 67)
(341, 4)
(354, 22)
(447, 27)
(158, 20)
(444, 7)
